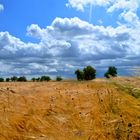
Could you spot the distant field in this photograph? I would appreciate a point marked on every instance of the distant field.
(71, 110)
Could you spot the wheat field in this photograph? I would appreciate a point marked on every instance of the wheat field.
(70, 110)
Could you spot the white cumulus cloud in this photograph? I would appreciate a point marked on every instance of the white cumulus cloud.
(70, 43)
(81, 4)
(129, 7)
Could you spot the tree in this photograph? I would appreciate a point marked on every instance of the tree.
(22, 79)
(38, 79)
(1, 79)
(112, 71)
(89, 73)
(107, 75)
(59, 78)
(7, 79)
(33, 79)
(48, 78)
(45, 78)
(14, 79)
(79, 74)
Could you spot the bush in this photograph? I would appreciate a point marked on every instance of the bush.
(79, 75)
(48, 78)
(45, 78)
(59, 78)
(112, 71)
(89, 73)
(14, 79)
(22, 79)
(33, 79)
(1, 79)
(107, 75)
(38, 79)
(7, 79)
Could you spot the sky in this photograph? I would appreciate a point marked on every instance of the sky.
(56, 37)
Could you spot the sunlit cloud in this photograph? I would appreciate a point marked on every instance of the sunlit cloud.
(1, 7)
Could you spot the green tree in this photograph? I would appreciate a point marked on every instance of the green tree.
(38, 79)
(112, 71)
(59, 78)
(45, 78)
(79, 75)
(22, 79)
(107, 75)
(89, 73)
(7, 79)
(33, 79)
(14, 79)
(1, 79)
(48, 78)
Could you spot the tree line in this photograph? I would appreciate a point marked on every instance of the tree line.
(24, 79)
(14, 79)
(89, 73)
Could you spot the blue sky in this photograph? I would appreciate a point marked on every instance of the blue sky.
(51, 37)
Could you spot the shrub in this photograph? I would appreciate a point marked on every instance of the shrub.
(7, 79)
(14, 79)
(1, 79)
(45, 78)
(112, 71)
(107, 75)
(22, 79)
(48, 78)
(33, 79)
(89, 73)
(38, 79)
(59, 78)
(79, 75)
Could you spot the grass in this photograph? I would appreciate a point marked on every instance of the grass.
(95, 110)
(130, 90)
(129, 87)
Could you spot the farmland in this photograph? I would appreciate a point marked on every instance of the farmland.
(70, 110)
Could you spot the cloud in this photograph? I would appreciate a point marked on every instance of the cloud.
(35, 31)
(130, 17)
(110, 5)
(136, 71)
(81, 4)
(67, 44)
(11, 46)
(127, 8)
(130, 5)
(71, 43)
(1, 7)
(67, 35)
